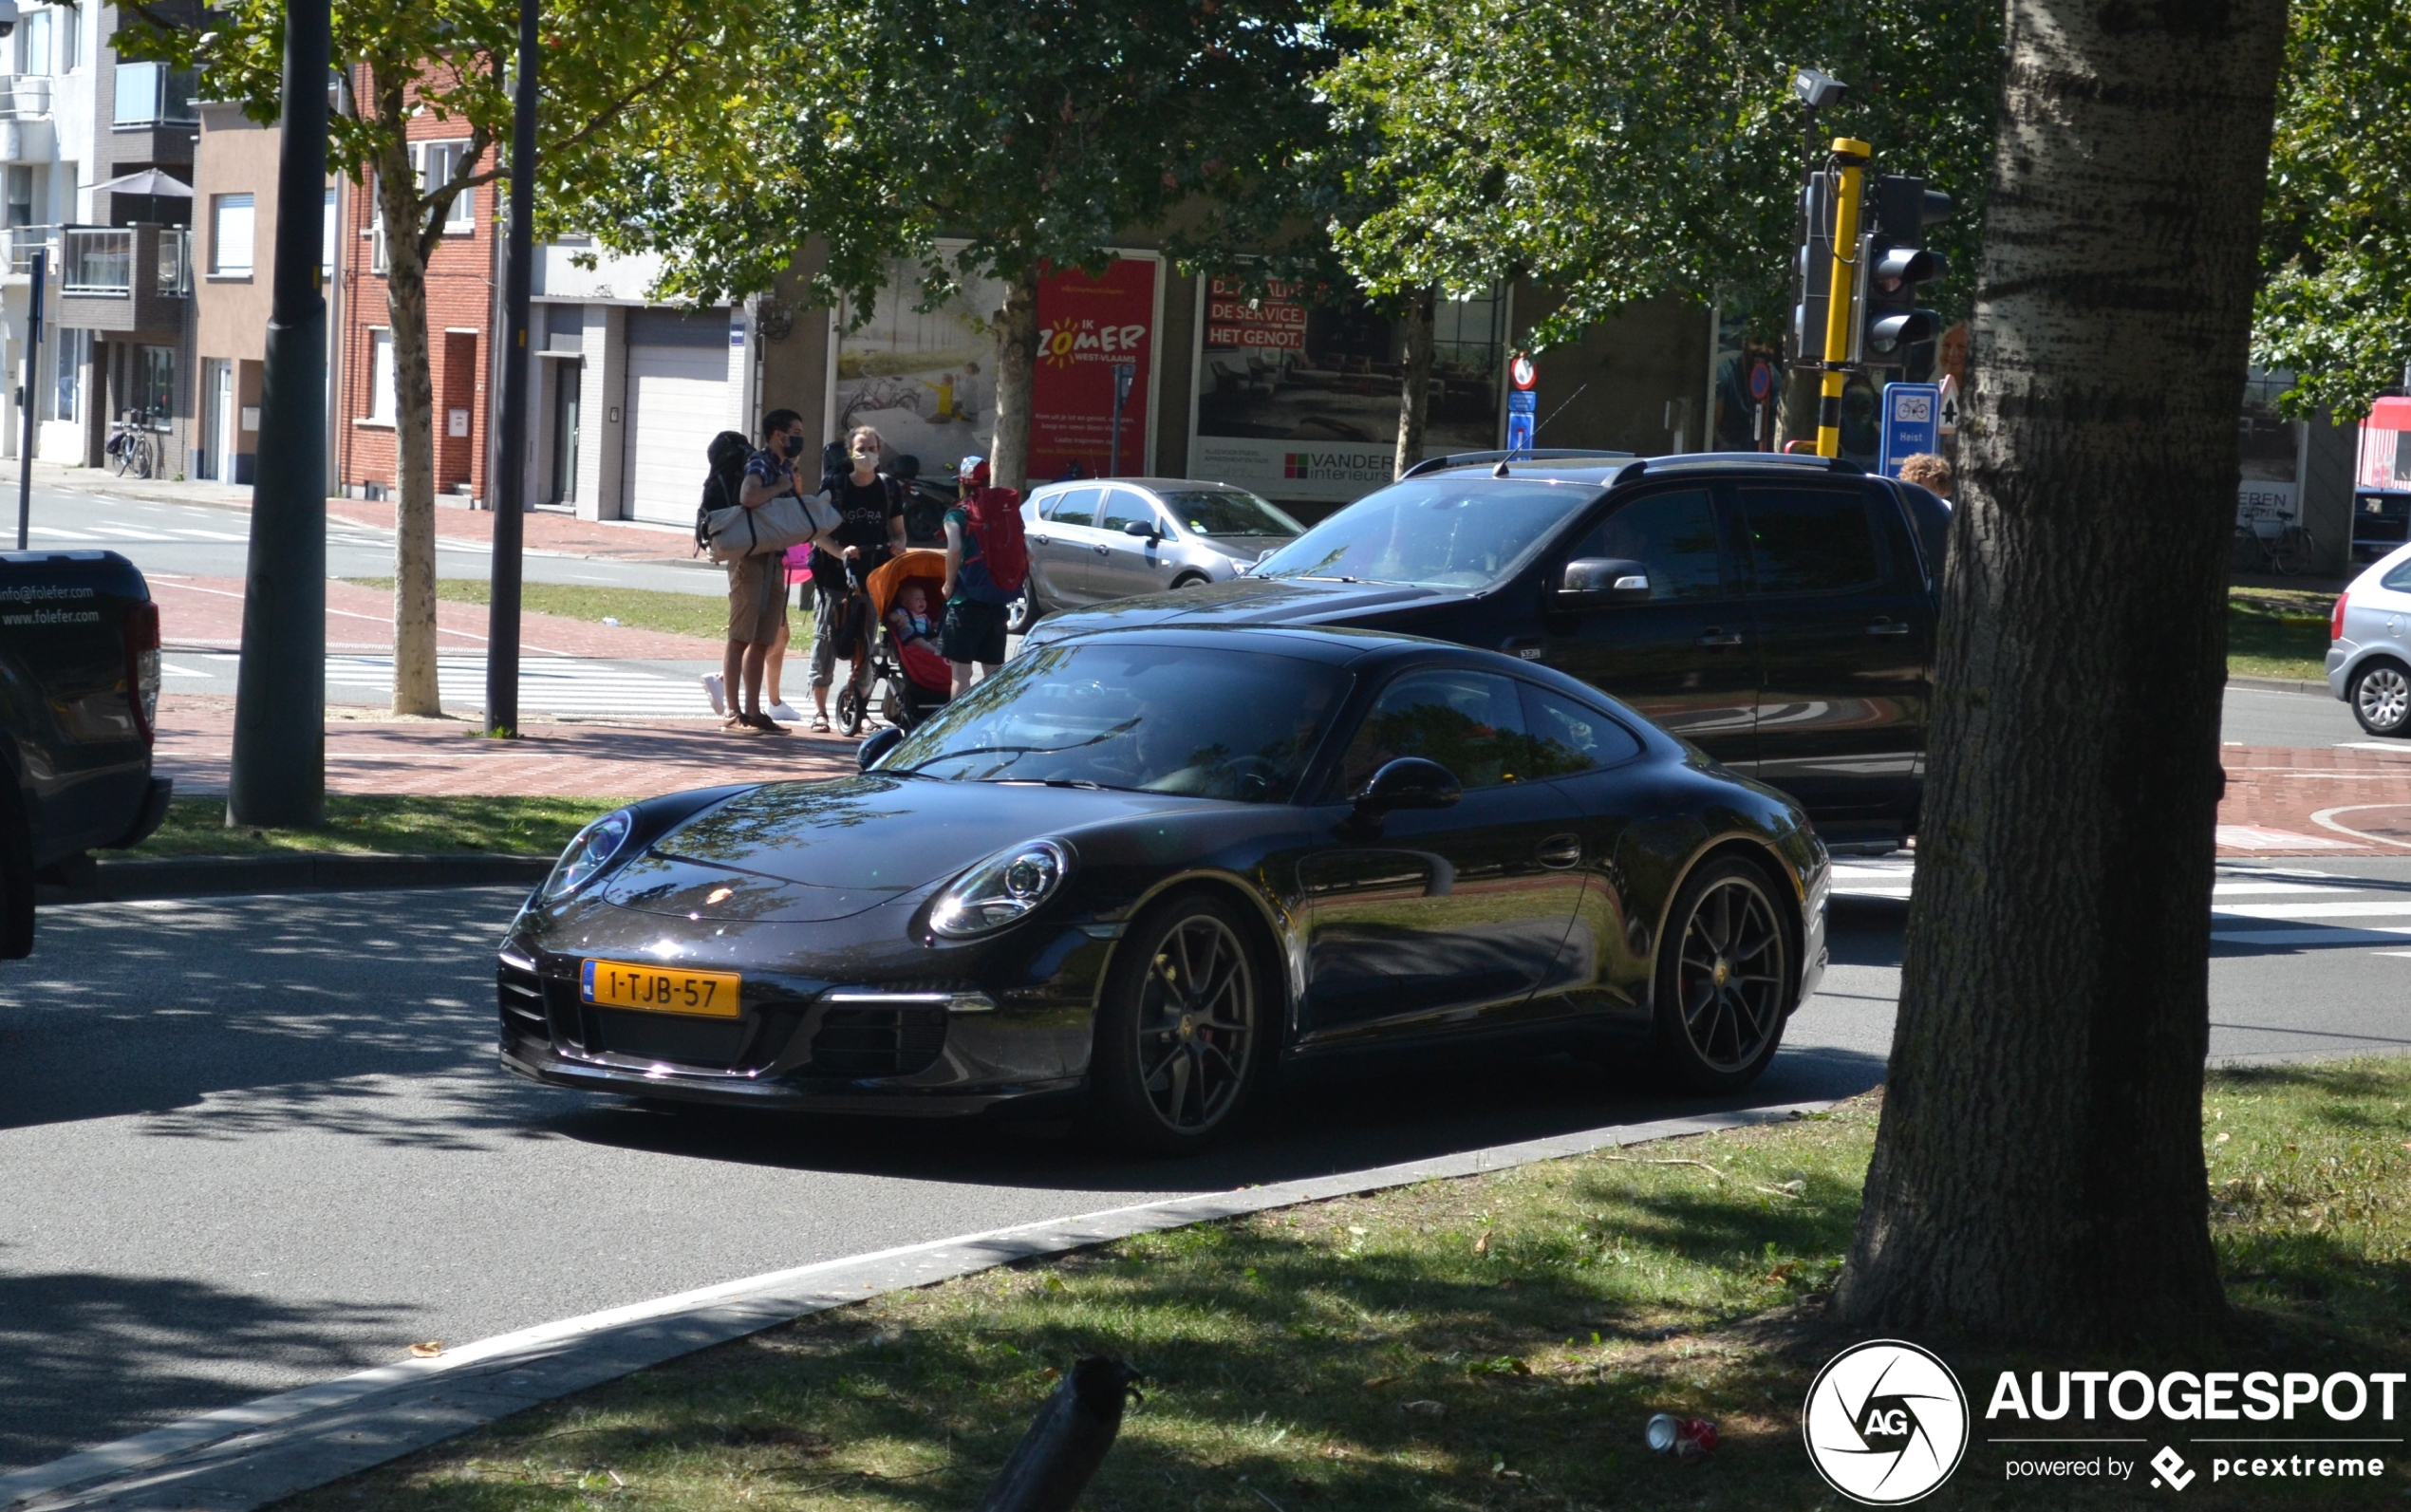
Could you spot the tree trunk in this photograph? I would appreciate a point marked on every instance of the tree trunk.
(415, 686)
(2038, 1176)
(1016, 380)
(1414, 379)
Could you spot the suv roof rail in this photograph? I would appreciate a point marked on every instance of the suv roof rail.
(1545, 453)
(1823, 464)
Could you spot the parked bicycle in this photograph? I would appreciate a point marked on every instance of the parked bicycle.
(2267, 539)
(131, 448)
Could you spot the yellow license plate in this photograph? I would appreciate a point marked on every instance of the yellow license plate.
(660, 990)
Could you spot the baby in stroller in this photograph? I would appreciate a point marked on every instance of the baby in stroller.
(904, 659)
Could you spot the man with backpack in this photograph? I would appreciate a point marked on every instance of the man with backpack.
(757, 583)
(986, 565)
(870, 528)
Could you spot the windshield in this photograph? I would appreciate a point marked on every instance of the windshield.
(1220, 513)
(1203, 722)
(1458, 533)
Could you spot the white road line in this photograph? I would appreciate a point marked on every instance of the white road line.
(2316, 910)
(207, 535)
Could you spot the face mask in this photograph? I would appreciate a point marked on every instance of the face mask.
(866, 459)
(792, 446)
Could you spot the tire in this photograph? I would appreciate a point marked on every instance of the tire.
(1726, 976)
(2380, 698)
(2290, 553)
(1023, 613)
(850, 710)
(119, 459)
(1189, 582)
(16, 873)
(1167, 1078)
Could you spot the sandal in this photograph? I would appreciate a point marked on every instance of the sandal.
(820, 724)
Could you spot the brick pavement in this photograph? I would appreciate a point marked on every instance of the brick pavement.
(451, 757)
(2309, 802)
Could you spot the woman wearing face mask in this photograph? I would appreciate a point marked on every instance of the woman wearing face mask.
(870, 528)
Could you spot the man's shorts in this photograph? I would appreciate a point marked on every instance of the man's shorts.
(756, 599)
(973, 632)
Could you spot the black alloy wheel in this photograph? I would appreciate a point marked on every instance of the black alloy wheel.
(1724, 978)
(2380, 698)
(1178, 1036)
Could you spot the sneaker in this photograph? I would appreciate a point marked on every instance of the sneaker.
(716, 690)
(739, 724)
(764, 724)
(781, 711)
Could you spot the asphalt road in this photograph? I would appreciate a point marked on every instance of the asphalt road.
(251, 1143)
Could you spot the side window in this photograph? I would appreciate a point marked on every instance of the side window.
(1073, 506)
(1810, 540)
(1470, 723)
(1674, 534)
(2399, 580)
(1124, 507)
(1566, 737)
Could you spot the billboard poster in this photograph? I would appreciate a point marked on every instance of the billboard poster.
(926, 378)
(2270, 492)
(2385, 463)
(1088, 325)
(1297, 396)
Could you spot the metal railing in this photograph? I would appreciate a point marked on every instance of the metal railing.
(24, 241)
(175, 273)
(97, 261)
(25, 97)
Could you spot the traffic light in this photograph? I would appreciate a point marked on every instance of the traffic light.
(1892, 263)
(1812, 269)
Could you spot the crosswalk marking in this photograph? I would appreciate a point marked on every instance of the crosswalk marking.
(2364, 908)
(547, 685)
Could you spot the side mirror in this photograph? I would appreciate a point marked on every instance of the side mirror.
(1145, 528)
(1410, 782)
(867, 753)
(1591, 580)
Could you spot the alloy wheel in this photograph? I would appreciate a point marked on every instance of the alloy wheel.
(1729, 981)
(1196, 1024)
(2384, 697)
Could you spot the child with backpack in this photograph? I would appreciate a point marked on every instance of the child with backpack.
(987, 563)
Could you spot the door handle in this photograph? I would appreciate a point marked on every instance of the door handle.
(1559, 851)
(1101, 549)
(1889, 627)
(1040, 539)
(1718, 637)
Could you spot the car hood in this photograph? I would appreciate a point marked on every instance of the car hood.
(801, 851)
(1250, 600)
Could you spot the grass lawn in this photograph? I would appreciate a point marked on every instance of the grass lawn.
(2278, 632)
(196, 827)
(704, 616)
(1496, 1341)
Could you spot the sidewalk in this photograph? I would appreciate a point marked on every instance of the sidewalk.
(2296, 802)
(558, 535)
(453, 759)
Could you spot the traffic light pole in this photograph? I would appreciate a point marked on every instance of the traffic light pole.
(1842, 304)
(278, 776)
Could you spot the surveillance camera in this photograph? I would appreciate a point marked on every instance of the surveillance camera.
(1814, 87)
(8, 16)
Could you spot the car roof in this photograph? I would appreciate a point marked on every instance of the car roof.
(1153, 484)
(1602, 469)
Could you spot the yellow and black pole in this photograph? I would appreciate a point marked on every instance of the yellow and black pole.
(1850, 158)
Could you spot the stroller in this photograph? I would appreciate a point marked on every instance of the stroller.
(911, 681)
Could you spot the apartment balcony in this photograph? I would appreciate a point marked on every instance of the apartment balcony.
(17, 245)
(135, 280)
(27, 132)
(152, 117)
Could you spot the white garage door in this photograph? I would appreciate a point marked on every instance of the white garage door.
(677, 399)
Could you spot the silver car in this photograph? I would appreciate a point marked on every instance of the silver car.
(2369, 658)
(1094, 540)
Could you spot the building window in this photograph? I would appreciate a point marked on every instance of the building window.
(380, 377)
(33, 42)
(20, 194)
(71, 350)
(437, 162)
(326, 237)
(152, 94)
(154, 382)
(230, 221)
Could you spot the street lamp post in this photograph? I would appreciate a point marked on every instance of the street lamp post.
(24, 398)
(510, 479)
(279, 771)
(1125, 374)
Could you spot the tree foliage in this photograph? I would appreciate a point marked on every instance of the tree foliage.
(2336, 234)
(1622, 149)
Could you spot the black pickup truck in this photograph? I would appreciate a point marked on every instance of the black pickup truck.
(78, 688)
(1776, 612)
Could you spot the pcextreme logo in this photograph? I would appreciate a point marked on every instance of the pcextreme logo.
(1886, 1423)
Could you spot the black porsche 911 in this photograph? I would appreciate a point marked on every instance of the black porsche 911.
(1146, 869)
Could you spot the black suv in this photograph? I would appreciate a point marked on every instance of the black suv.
(1776, 612)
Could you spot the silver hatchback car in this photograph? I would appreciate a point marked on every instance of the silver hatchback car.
(1099, 539)
(2369, 650)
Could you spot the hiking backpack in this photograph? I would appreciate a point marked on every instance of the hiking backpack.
(997, 574)
(727, 454)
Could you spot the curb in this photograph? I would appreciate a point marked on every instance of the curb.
(243, 1456)
(299, 871)
(2279, 685)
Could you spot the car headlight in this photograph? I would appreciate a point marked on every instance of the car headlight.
(1000, 890)
(591, 849)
